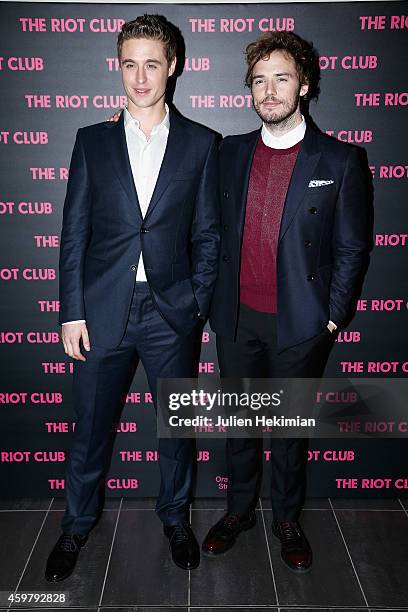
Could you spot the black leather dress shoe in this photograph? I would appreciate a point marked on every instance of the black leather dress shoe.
(63, 557)
(295, 552)
(223, 535)
(183, 545)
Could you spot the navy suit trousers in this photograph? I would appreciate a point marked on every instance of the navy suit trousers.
(100, 385)
(255, 354)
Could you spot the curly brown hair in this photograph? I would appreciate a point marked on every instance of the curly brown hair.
(303, 53)
(150, 26)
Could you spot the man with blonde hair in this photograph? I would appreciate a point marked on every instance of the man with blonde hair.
(138, 261)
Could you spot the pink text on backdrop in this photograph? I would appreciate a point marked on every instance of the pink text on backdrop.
(348, 62)
(352, 136)
(26, 208)
(379, 22)
(24, 138)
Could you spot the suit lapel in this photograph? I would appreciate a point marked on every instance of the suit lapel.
(177, 146)
(120, 161)
(305, 165)
(243, 170)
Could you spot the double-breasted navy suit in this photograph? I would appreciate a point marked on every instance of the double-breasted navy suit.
(102, 237)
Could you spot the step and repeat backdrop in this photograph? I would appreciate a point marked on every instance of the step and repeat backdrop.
(59, 72)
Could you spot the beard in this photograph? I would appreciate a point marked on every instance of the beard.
(275, 116)
(280, 115)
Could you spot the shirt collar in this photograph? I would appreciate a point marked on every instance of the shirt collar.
(165, 123)
(287, 140)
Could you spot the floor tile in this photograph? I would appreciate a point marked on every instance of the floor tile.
(311, 503)
(210, 503)
(404, 503)
(84, 586)
(143, 503)
(18, 531)
(331, 580)
(353, 609)
(336, 609)
(241, 577)
(141, 571)
(242, 609)
(111, 503)
(342, 503)
(316, 503)
(144, 609)
(54, 609)
(24, 503)
(377, 542)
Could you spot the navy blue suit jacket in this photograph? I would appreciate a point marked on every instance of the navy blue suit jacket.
(103, 230)
(324, 237)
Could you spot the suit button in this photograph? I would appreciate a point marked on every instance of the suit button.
(226, 228)
(133, 268)
(225, 258)
(313, 210)
(308, 243)
(226, 194)
(144, 230)
(310, 277)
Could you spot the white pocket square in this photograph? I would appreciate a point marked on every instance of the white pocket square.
(316, 183)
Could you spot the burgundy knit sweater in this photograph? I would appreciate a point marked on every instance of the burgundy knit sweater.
(271, 172)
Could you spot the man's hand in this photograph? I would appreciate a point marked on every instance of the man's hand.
(331, 326)
(115, 117)
(71, 336)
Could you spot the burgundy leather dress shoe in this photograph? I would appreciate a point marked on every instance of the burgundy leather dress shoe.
(63, 557)
(223, 535)
(295, 552)
(184, 547)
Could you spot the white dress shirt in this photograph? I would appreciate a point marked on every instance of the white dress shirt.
(146, 157)
(286, 140)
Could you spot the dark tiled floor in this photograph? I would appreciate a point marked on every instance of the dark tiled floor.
(148, 576)
(360, 560)
(372, 537)
(84, 587)
(331, 571)
(235, 579)
(404, 503)
(361, 504)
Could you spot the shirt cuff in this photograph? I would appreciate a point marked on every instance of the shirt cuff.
(70, 322)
